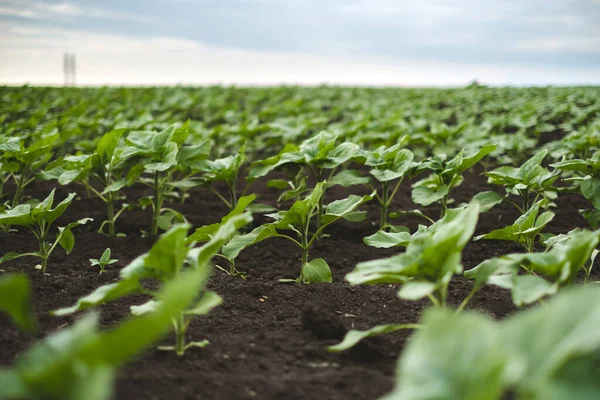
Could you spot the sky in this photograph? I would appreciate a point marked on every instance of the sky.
(310, 42)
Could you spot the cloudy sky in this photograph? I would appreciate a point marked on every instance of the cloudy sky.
(365, 42)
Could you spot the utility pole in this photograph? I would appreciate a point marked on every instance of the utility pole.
(69, 68)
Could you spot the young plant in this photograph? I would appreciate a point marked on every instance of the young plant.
(81, 362)
(105, 172)
(297, 220)
(389, 166)
(225, 170)
(547, 272)
(206, 233)
(431, 259)
(318, 156)
(158, 153)
(104, 261)
(530, 179)
(22, 162)
(39, 220)
(525, 229)
(586, 180)
(446, 175)
(166, 262)
(542, 353)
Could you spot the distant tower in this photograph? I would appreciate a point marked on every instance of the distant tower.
(69, 69)
(73, 69)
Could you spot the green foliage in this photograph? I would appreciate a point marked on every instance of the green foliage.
(158, 155)
(389, 166)
(547, 272)
(165, 262)
(586, 180)
(529, 179)
(15, 300)
(105, 172)
(23, 158)
(80, 362)
(39, 220)
(318, 156)
(446, 175)
(103, 261)
(431, 258)
(206, 233)
(297, 220)
(225, 170)
(525, 229)
(543, 353)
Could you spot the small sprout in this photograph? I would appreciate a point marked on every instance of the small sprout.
(104, 261)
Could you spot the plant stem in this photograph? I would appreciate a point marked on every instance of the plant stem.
(18, 191)
(467, 299)
(110, 209)
(157, 204)
(444, 204)
(180, 335)
(384, 204)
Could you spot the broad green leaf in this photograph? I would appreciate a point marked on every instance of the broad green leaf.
(425, 196)
(207, 302)
(454, 356)
(20, 215)
(384, 240)
(353, 336)
(530, 288)
(102, 295)
(487, 200)
(339, 208)
(347, 178)
(67, 240)
(15, 300)
(415, 290)
(316, 271)
(238, 243)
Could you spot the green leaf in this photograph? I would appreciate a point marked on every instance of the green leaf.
(425, 196)
(238, 243)
(353, 336)
(102, 295)
(207, 302)
(316, 271)
(67, 240)
(415, 290)
(347, 178)
(340, 208)
(487, 200)
(15, 300)
(105, 257)
(20, 216)
(384, 240)
(530, 288)
(454, 356)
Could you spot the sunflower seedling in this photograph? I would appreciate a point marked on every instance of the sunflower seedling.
(39, 220)
(103, 261)
(431, 259)
(446, 175)
(297, 220)
(166, 261)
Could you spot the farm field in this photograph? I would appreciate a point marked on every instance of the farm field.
(464, 220)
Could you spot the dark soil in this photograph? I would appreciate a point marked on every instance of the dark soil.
(268, 340)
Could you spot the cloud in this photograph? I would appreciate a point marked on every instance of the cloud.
(117, 59)
(49, 11)
(583, 44)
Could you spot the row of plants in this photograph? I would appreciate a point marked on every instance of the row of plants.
(226, 147)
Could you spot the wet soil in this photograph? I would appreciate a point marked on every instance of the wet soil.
(268, 340)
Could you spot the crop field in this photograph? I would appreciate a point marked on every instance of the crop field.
(299, 243)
